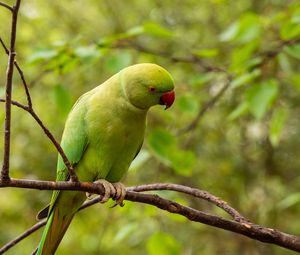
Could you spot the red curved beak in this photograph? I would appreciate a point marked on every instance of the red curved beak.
(167, 99)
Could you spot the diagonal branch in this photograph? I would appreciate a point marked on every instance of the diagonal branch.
(193, 192)
(251, 230)
(73, 175)
(19, 238)
(6, 6)
(8, 90)
(29, 101)
(191, 58)
(206, 107)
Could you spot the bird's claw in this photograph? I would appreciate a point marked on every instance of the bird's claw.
(109, 191)
(120, 194)
(116, 191)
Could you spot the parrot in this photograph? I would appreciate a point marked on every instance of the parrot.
(103, 133)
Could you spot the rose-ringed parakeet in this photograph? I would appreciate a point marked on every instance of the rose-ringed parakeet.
(103, 134)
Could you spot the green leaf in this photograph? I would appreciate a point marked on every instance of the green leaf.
(188, 103)
(230, 32)
(245, 78)
(284, 62)
(200, 79)
(161, 142)
(115, 63)
(155, 29)
(289, 201)
(242, 57)
(245, 29)
(183, 161)
(87, 53)
(165, 148)
(206, 53)
(163, 244)
(290, 29)
(62, 99)
(124, 232)
(293, 50)
(239, 111)
(295, 81)
(134, 31)
(42, 55)
(250, 28)
(277, 123)
(261, 96)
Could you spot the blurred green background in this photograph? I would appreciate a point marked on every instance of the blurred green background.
(244, 150)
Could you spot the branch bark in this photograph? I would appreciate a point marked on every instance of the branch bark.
(8, 91)
(31, 111)
(249, 229)
(8, 7)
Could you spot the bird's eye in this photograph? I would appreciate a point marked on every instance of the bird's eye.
(152, 89)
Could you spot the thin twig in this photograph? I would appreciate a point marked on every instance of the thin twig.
(4, 46)
(248, 229)
(16, 103)
(30, 109)
(191, 58)
(7, 6)
(8, 89)
(193, 192)
(19, 238)
(73, 176)
(69, 166)
(206, 107)
(29, 101)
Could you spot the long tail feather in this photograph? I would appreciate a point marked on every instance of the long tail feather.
(54, 231)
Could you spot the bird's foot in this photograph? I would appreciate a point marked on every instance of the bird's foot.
(109, 190)
(120, 193)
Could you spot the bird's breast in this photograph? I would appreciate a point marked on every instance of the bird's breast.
(113, 143)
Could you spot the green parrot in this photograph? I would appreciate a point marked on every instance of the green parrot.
(103, 134)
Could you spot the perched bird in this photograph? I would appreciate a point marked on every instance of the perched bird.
(103, 134)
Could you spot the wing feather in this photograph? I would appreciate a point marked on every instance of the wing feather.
(74, 141)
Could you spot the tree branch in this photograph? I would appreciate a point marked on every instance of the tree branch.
(73, 175)
(191, 58)
(29, 101)
(248, 229)
(206, 107)
(8, 91)
(7, 6)
(18, 239)
(193, 192)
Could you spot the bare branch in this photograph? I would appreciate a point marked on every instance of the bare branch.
(73, 175)
(8, 88)
(29, 101)
(248, 229)
(6, 6)
(24, 107)
(206, 107)
(192, 59)
(4, 46)
(193, 192)
(19, 238)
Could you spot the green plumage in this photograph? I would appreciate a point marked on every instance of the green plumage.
(103, 133)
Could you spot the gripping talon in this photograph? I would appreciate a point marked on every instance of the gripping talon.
(120, 194)
(109, 190)
(88, 195)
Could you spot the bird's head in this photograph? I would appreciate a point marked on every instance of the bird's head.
(146, 85)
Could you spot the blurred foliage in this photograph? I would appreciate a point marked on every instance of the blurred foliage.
(244, 150)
